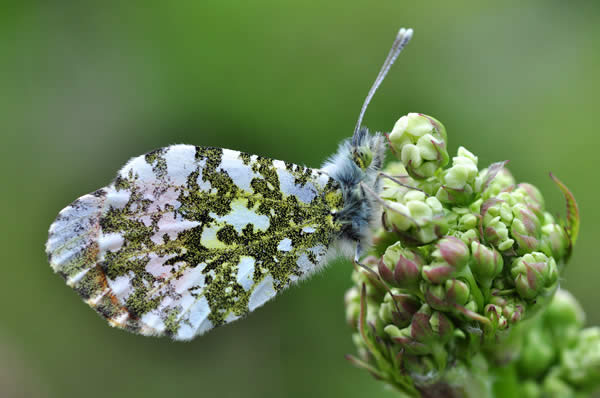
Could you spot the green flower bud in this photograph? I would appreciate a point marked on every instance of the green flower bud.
(374, 288)
(467, 222)
(449, 257)
(487, 263)
(525, 229)
(391, 190)
(555, 241)
(537, 353)
(421, 367)
(469, 236)
(497, 216)
(531, 196)
(397, 216)
(401, 267)
(447, 296)
(406, 340)
(581, 364)
(420, 140)
(416, 217)
(555, 387)
(564, 310)
(565, 317)
(499, 182)
(499, 206)
(453, 251)
(512, 308)
(398, 309)
(458, 180)
(498, 321)
(530, 389)
(427, 330)
(534, 274)
(352, 302)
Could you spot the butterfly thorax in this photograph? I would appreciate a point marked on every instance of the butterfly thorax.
(355, 167)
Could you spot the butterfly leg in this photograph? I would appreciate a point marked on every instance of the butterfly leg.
(358, 253)
(397, 180)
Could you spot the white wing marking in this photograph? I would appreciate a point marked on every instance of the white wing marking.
(288, 186)
(240, 173)
(262, 293)
(110, 242)
(240, 216)
(285, 245)
(246, 272)
(180, 161)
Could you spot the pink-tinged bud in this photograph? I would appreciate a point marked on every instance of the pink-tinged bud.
(496, 215)
(406, 340)
(447, 296)
(427, 329)
(406, 306)
(514, 311)
(437, 273)
(449, 257)
(455, 196)
(420, 329)
(525, 229)
(487, 263)
(495, 179)
(398, 309)
(494, 314)
(533, 197)
(441, 326)
(435, 295)
(470, 236)
(401, 267)
(533, 273)
(511, 307)
(555, 241)
(453, 251)
(457, 291)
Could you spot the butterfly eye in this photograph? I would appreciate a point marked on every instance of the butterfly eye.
(362, 157)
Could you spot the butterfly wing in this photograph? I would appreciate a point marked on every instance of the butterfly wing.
(188, 238)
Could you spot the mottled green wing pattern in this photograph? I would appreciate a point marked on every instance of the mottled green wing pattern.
(189, 238)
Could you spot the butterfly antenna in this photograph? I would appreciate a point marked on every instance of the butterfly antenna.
(403, 37)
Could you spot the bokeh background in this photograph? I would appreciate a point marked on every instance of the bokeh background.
(86, 85)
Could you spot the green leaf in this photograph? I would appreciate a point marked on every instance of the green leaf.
(573, 220)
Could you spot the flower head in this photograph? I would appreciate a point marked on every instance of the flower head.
(420, 141)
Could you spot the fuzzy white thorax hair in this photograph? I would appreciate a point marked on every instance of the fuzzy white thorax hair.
(361, 208)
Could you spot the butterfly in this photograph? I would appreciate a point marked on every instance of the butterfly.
(188, 238)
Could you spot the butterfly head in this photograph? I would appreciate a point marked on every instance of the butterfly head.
(362, 156)
(367, 151)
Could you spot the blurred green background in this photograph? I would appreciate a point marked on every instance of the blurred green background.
(87, 85)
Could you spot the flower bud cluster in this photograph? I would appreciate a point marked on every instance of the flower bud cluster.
(559, 358)
(420, 142)
(461, 258)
